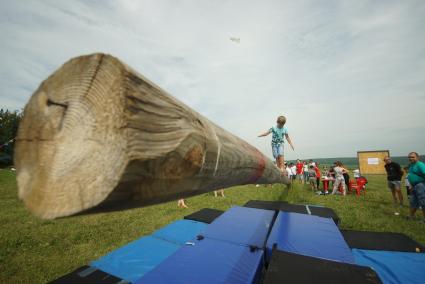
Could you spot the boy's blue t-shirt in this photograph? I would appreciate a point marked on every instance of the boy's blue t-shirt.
(278, 134)
(416, 173)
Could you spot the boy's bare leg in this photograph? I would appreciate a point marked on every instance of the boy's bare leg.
(181, 203)
(280, 164)
(400, 196)
(394, 195)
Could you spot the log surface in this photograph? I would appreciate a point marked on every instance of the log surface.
(97, 132)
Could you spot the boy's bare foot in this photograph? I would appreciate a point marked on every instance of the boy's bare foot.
(181, 203)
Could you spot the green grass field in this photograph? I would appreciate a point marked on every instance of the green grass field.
(36, 251)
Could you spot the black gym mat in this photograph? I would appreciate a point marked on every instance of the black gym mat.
(88, 275)
(264, 204)
(381, 241)
(206, 215)
(295, 208)
(293, 268)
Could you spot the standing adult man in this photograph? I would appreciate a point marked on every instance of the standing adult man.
(394, 175)
(417, 180)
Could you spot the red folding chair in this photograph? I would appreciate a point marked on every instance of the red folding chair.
(359, 185)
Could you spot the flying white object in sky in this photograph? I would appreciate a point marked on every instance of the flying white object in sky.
(235, 39)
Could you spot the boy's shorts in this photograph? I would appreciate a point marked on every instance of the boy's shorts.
(312, 180)
(417, 196)
(277, 150)
(394, 185)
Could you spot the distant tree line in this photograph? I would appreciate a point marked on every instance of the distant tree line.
(9, 123)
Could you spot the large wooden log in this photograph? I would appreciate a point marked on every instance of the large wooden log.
(97, 132)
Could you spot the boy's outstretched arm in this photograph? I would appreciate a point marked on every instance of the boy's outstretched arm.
(289, 141)
(265, 133)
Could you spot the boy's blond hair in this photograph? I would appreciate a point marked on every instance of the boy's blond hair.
(281, 120)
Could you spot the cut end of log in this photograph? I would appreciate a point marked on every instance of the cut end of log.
(71, 138)
(96, 132)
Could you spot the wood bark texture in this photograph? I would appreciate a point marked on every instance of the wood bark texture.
(97, 133)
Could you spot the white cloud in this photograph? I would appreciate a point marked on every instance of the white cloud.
(349, 75)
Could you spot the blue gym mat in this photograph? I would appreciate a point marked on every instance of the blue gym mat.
(208, 261)
(133, 260)
(394, 267)
(241, 225)
(180, 231)
(308, 235)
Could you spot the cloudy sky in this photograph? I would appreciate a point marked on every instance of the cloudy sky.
(349, 75)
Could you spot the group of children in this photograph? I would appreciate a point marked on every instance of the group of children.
(310, 173)
(305, 173)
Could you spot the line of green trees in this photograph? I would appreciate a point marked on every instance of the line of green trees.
(9, 123)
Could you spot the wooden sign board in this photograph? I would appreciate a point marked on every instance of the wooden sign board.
(372, 162)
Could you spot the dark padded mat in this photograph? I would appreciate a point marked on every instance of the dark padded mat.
(295, 208)
(264, 204)
(88, 275)
(206, 215)
(293, 268)
(381, 241)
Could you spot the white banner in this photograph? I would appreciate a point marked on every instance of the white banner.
(373, 161)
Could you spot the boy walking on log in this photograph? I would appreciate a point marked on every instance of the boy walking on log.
(278, 133)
